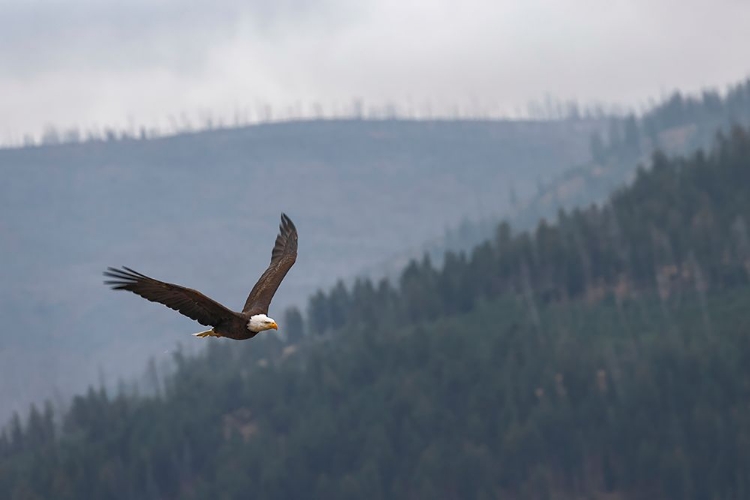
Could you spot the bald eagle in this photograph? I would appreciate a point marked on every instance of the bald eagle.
(193, 304)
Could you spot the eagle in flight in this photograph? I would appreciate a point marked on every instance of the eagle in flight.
(193, 304)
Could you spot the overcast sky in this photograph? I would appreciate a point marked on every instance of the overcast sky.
(100, 62)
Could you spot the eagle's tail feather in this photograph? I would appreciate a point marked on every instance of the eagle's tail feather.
(207, 333)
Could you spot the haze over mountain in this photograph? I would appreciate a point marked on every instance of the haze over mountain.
(202, 209)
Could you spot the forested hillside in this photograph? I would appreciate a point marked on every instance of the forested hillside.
(683, 224)
(603, 355)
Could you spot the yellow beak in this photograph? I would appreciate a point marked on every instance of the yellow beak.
(274, 326)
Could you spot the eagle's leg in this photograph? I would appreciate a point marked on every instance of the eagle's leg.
(207, 333)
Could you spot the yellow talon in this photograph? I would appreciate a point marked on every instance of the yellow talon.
(207, 333)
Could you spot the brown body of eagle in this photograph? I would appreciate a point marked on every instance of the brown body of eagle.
(193, 304)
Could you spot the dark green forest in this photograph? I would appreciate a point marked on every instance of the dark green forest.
(605, 354)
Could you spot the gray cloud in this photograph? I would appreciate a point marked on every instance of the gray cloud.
(39, 37)
(86, 62)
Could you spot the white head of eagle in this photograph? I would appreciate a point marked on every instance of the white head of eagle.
(260, 322)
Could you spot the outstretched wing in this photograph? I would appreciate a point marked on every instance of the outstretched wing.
(187, 301)
(283, 256)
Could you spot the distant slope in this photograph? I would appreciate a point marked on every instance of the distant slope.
(679, 124)
(201, 209)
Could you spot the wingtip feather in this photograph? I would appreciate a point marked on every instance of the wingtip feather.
(286, 223)
(120, 279)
